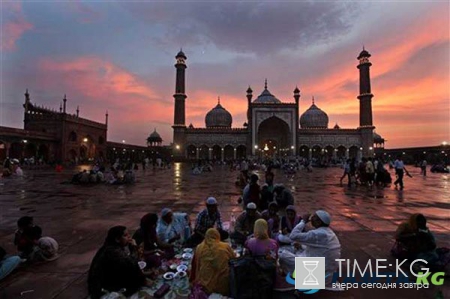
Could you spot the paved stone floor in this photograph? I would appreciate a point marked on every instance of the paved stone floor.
(79, 216)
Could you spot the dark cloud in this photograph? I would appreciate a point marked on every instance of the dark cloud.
(261, 28)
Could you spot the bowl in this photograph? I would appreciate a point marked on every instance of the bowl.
(180, 274)
(188, 250)
(178, 256)
(168, 276)
(173, 267)
(142, 265)
(186, 256)
(182, 268)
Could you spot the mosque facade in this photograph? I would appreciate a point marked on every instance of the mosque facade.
(274, 128)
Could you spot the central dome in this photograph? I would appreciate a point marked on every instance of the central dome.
(314, 118)
(266, 97)
(218, 117)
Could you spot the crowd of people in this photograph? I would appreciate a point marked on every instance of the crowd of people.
(270, 227)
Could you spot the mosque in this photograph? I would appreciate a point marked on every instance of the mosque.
(273, 127)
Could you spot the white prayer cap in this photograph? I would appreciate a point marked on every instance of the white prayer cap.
(324, 216)
(211, 201)
(251, 206)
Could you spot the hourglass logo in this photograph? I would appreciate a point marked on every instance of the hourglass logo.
(310, 272)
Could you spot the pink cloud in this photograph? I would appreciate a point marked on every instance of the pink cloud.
(134, 106)
(14, 25)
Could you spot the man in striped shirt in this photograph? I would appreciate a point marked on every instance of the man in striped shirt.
(206, 219)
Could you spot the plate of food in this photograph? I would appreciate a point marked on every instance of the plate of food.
(181, 268)
(187, 256)
(142, 265)
(168, 276)
(184, 263)
(188, 250)
(178, 256)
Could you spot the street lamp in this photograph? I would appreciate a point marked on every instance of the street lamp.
(123, 141)
(25, 141)
(177, 147)
(85, 139)
(444, 143)
(370, 148)
(256, 146)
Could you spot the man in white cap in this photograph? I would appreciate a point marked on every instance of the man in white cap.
(206, 219)
(245, 223)
(318, 242)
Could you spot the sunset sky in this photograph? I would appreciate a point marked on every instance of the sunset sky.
(119, 57)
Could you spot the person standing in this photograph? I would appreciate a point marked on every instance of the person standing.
(370, 172)
(423, 167)
(399, 171)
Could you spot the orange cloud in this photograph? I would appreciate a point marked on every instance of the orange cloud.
(98, 85)
(14, 26)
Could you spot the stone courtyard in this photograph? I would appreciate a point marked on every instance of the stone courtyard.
(78, 217)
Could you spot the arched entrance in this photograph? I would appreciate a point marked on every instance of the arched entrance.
(304, 151)
(83, 152)
(274, 133)
(2, 151)
(72, 155)
(204, 152)
(43, 152)
(329, 150)
(353, 152)
(317, 152)
(216, 152)
(15, 151)
(229, 152)
(341, 152)
(30, 150)
(191, 151)
(241, 152)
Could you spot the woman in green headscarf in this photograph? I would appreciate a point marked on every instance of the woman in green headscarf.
(210, 264)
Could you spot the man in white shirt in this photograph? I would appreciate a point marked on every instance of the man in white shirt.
(399, 171)
(318, 242)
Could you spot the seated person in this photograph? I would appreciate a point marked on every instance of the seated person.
(318, 242)
(288, 223)
(261, 244)
(206, 219)
(154, 249)
(415, 241)
(283, 196)
(26, 237)
(273, 219)
(7, 263)
(251, 192)
(245, 224)
(266, 197)
(172, 226)
(115, 265)
(84, 177)
(210, 267)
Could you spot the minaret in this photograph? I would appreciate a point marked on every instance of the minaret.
(297, 115)
(179, 122)
(64, 104)
(78, 111)
(27, 101)
(106, 118)
(365, 103)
